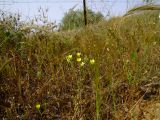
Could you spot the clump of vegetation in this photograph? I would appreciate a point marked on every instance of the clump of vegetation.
(106, 71)
(74, 19)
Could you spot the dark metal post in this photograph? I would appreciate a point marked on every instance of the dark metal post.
(85, 12)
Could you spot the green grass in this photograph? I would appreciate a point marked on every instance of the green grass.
(34, 69)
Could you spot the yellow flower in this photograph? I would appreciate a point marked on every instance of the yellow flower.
(69, 58)
(78, 54)
(38, 106)
(82, 64)
(92, 61)
(79, 59)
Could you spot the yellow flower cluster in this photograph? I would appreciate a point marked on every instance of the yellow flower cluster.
(79, 59)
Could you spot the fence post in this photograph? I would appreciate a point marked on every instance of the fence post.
(85, 12)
